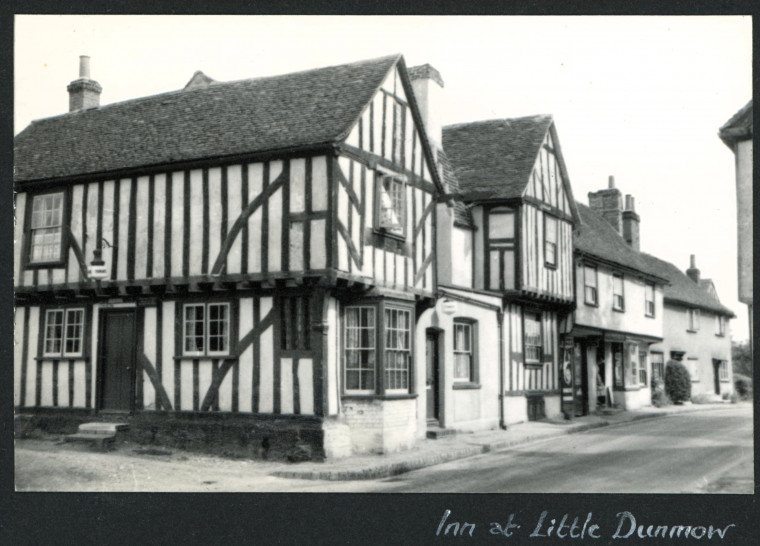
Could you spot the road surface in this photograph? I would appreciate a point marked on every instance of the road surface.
(696, 452)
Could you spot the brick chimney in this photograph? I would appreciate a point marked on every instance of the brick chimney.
(693, 272)
(428, 91)
(609, 204)
(84, 93)
(631, 223)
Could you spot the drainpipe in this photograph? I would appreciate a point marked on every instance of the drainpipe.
(500, 319)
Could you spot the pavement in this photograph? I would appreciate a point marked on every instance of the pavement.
(431, 452)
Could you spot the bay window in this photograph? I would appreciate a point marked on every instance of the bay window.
(377, 349)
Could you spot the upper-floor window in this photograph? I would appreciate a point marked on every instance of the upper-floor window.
(46, 228)
(590, 285)
(720, 325)
(550, 240)
(618, 298)
(295, 322)
(693, 317)
(464, 351)
(206, 329)
(64, 329)
(649, 299)
(391, 203)
(501, 249)
(533, 339)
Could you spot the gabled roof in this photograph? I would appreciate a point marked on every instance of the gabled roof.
(462, 215)
(685, 291)
(739, 127)
(218, 119)
(595, 237)
(494, 159)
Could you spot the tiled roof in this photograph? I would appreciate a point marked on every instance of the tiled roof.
(739, 127)
(215, 120)
(595, 236)
(495, 158)
(462, 215)
(683, 290)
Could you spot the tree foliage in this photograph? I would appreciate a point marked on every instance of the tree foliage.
(741, 358)
(677, 382)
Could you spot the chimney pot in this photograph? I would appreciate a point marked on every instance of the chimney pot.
(692, 260)
(84, 67)
(611, 182)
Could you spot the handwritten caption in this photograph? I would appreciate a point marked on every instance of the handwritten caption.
(580, 527)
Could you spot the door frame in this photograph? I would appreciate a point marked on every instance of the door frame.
(436, 334)
(102, 319)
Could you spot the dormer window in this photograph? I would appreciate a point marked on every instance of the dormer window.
(391, 204)
(46, 229)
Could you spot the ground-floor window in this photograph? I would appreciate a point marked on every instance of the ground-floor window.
(206, 329)
(643, 369)
(533, 339)
(658, 366)
(723, 370)
(64, 329)
(465, 347)
(692, 364)
(364, 349)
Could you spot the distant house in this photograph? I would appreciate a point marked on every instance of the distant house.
(737, 135)
(696, 329)
(619, 308)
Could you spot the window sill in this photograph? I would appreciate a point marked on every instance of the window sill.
(59, 358)
(389, 235)
(349, 396)
(548, 265)
(692, 331)
(534, 365)
(648, 316)
(725, 381)
(58, 264)
(720, 335)
(205, 357)
(618, 310)
(463, 386)
(591, 304)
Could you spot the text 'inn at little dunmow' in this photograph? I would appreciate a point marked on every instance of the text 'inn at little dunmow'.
(312, 261)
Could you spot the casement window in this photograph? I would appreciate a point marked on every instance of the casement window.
(64, 330)
(206, 329)
(720, 325)
(465, 351)
(723, 370)
(693, 318)
(399, 118)
(364, 349)
(590, 291)
(391, 204)
(617, 364)
(532, 338)
(46, 228)
(398, 349)
(501, 249)
(649, 299)
(550, 241)
(692, 364)
(618, 298)
(295, 323)
(658, 366)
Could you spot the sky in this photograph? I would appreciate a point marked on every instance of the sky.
(640, 98)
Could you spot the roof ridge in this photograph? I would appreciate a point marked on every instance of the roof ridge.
(496, 120)
(217, 84)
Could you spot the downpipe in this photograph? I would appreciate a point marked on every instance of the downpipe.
(500, 320)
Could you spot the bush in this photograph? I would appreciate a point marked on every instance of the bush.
(677, 382)
(659, 398)
(743, 386)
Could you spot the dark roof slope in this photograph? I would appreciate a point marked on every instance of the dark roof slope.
(220, 119)
(495, 158)
(684, 290)
(462, 215)
(597, 238)
(739, 127)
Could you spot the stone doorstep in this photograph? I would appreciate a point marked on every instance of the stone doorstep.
(103, 440)
(434, 433)
(102, 428)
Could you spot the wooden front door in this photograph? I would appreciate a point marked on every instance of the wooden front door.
(432, 369)
(117, 360)
(716, 375)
